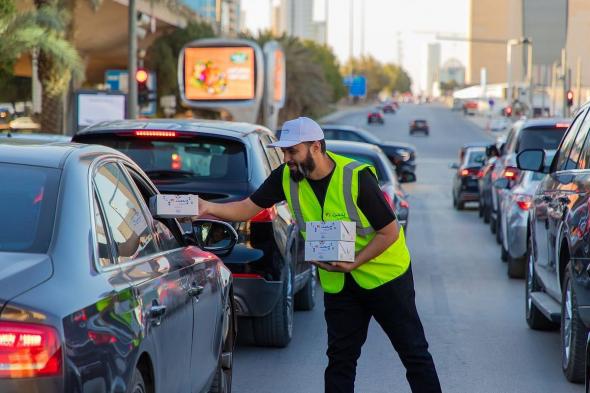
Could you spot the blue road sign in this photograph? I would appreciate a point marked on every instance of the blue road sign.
(358, 88)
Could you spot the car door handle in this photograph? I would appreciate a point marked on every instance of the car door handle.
(157, 311)
(196, 290)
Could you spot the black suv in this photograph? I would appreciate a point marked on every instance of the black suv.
(402, 155)
(558, 275)
(223, 162)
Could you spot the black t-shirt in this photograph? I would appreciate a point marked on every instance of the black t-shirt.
(370, 197)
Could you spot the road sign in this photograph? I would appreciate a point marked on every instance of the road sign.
(358, 87)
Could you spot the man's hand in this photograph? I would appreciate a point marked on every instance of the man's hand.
(341, 267)
(232, 211)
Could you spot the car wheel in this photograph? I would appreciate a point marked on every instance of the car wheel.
(222, 381)
(305, 298)
(573, 333)
(498, 230)
(480, 209)
(516, 266)
(486, 214)
(492, 225)
(503, 253)
(276, 329)
(137, 383)
(534, 317)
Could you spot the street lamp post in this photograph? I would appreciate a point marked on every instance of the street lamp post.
(529, 75)
(132, 62)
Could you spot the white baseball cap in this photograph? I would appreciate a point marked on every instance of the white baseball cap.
(299, 130)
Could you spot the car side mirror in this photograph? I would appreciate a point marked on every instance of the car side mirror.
(454, 165)
(407, 177)
(501, 183)
(531, 160)
(215, 236)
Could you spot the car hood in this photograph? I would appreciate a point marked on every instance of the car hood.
(20, 272)
(398, 145)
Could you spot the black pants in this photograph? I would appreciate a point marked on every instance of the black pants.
(392, 305)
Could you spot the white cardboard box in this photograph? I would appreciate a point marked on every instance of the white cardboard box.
(330, 230)
(174, 206)
(329, 251)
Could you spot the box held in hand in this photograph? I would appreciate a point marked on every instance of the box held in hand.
(330, 230)
(174, 206)
(329, 251)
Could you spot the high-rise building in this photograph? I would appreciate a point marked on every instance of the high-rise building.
(295, 17)
(432, 67)
(223, 15)
(452, 71)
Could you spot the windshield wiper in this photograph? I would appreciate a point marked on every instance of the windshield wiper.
(169, 173)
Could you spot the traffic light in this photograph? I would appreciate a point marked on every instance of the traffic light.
(143, 91)
(508, 111)
(570, 98)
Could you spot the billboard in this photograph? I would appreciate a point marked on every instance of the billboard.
(95, 106)
(219, 73)
(279, 77)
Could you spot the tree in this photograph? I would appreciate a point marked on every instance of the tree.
(162, 55)
(40, 30)
(380, 77)
(324, 56)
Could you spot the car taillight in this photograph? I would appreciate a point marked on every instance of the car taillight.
(511, 173)
(176, 163)
(562, 125)
(469, 172)
(389, 200)
(247, 275)
(266, 215)
(524, 202)
(404, 204)
(480, 174)
(159, 134)
(28, 350)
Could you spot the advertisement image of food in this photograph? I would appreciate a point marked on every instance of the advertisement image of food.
(219, 73)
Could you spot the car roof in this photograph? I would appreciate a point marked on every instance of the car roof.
(227, 128)
(50, 155)
(545, 122)
(476, 144)
(353, 147)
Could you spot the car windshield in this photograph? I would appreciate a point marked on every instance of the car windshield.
(202, 158)
(540, 138)
(27, 207)
(475, 157)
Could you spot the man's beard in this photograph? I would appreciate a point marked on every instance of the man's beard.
(303, 169)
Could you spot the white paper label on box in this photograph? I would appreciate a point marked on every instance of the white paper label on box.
(329, 251)
(174, 206)
(330, 230)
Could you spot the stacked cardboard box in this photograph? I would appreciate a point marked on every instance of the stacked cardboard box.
(330, 241)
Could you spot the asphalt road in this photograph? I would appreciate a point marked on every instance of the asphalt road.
(472, 312)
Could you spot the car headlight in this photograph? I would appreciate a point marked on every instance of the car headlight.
(404, 155)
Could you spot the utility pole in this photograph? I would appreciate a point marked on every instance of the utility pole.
(362, 29)
(351, 35)
(553, 87)
(579, 82)
(132, 62)
(565, 84)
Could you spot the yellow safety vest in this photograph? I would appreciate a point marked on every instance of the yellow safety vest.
(341, 205)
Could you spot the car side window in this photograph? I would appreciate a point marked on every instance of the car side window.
(127, 224)
(102, 243)
(351, 136)
(560, 162)
(332, 135)
(273, 157)
(574, 156)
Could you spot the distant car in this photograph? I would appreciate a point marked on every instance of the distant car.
(227, 161)
(541, 133)
(373, 155)
(388, 108)
(24, 123)
(375, 116)
(485, 181)
(401, 155)
(470, 107)
(514, 221)
(465, 186)
(30, 137)
(97, 294)
(498, 124)
(419, 125)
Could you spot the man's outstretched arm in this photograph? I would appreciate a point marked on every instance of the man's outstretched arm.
(232, 211)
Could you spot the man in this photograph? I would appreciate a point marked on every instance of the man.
(322, 186)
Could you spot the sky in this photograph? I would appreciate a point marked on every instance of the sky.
(414, 23)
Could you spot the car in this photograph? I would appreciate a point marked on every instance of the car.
(373, 155)
(514, 221)
(485, 181)
(465, 180)
(24, 123)
(97, 293)
(498, 124)
(388, 107)
(227, 161)
(375, 116)
(557, 291)
(28, 137)
(419, 125)
(541, 133)
(401, 155)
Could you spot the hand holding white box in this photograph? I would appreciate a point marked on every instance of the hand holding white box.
(329, 251)
(174, 206)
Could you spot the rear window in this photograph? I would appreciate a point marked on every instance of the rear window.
(27, 206)
(208, 159)
(475, 157)
(540, 138)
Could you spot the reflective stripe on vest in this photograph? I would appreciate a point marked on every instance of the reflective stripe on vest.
(340, 204)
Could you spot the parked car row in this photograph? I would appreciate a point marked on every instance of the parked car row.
(535, 192)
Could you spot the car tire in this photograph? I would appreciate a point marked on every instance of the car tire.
(503, 253)
(516, 266)
(222, 381)
(534, 317)
(492, 225)
(276, 329)
(480, 209)
(498, 230)
(305, 298)
(573, 333)
(486, 214)
(137, 383)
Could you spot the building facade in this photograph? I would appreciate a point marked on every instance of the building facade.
(296, 18)
(432, 67)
